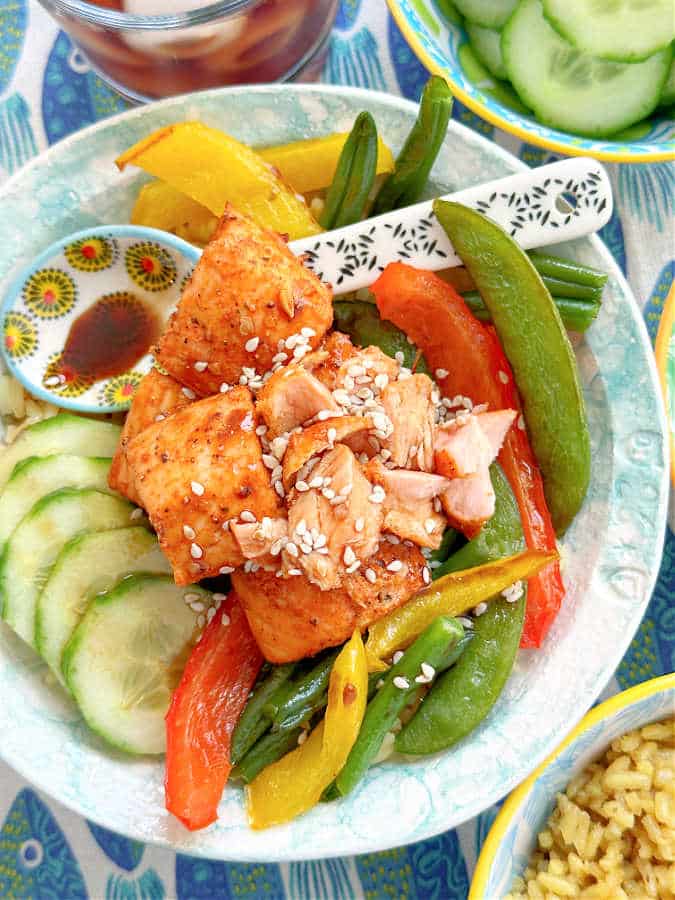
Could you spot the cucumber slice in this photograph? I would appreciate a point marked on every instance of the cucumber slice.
(668, 93)
(479, 76)
(126, 657)
(622, 30)
(571, 90)
(36, 476)
(89, 564)
(37, 540)
(64, 433)
(488, 13)
(486, 43)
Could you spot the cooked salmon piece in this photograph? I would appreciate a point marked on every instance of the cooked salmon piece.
(263, 540)
(381, 585)
(313, 440)
(469, 502)
(408, 406)
(292, 618)
(471, 442)
(194, 472)
(333, 527)
(248, 297)
(409, 509)
(291, 397)
(156, 397)
(326, 362)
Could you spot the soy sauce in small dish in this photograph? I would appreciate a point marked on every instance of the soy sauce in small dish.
(109, 338)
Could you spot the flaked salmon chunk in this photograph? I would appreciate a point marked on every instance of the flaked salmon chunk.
(409, 409)
(310, 442)
(470, 443)
(469, 502)
(263, 540)
(334, 527)
(291, 397)
(409, 509)
(195, 473)
(156, 397)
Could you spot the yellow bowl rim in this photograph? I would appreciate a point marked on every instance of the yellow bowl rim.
(548, 144)
(663, 338)
(603, 711)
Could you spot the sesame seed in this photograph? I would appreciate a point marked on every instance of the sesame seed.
(399, 357)
(306, 548)
(328, 493)
(210, 613)
(292, 548)
(277, 547)
(428, 670)
(348, 556)
(435, 564)
(225, 387)
(503, 377)
(336, 501)
(218, 598)
(190, 598)
(158, 418)
(295, 571)
(302, 737)
(377, 495)
(247, 422)
(225, 619)
(201, 366)
(426, 575)
(276, 473)
(301, 486)
(301, 527)
(201, 621)
(307, 332)
(381, 381)
(392, 538)
(279, 488)
(429, 526)
(354, 566)
(52, 381)
(395, 566)
(188, 393)
(397, 656)
(521, 422)
(480, 609)
(280, 357)
(198, 606)
(196, 551)
(441, 373)
(247, 516)
(465, 622)
(252, 345)
(136, 514)
(401, 683)
(359, 524)
(371, 575)
(188, 532)
(226, 525)
(331, 435)
(320, 541)
(197, 488)
(226, 570)
(316, 482)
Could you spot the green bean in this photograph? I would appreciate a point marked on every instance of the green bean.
(431, 648)
(577, 315)
(565, 269)
(413, 164)
(354, 177)
(562, 288)
(253, 723)
(450, 538)
(295, 694)
(302, 713)
(266, 751)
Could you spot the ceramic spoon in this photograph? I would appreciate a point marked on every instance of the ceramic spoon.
(140, 273)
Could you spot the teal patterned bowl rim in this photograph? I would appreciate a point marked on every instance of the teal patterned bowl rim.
(436, 42)
(14, 296)
(612, 552)
(512, 837)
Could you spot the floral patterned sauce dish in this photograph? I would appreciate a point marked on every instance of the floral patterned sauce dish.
(611, 552)
(513, 836)
(87, 305)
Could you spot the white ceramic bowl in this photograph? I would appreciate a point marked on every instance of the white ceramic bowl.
(513, 836)
(612, 551)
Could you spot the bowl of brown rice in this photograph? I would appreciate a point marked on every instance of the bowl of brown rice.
(597, 818)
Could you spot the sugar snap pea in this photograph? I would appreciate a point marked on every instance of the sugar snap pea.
(253, 723)
(413, 164)
(397, 691)
(354, 177)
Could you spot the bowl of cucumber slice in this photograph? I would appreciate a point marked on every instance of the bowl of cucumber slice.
(577, 77)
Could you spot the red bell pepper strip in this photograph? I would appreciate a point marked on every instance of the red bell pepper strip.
(204, 710)
(436, 318)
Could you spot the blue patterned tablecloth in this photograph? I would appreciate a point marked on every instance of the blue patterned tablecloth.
(46, 93)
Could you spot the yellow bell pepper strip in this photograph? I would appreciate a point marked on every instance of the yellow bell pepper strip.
(452, 595)
(310, 165)
(159, 205)
(215, 169)
(295, 783)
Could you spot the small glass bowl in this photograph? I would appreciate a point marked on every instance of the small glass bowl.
(145, 57)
